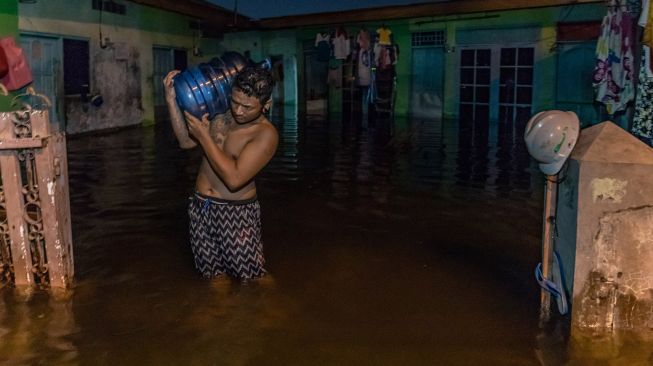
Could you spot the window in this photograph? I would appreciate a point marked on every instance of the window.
(496, 83)
(515, 84)
(75, 66)
(424, 39)
(475, 68)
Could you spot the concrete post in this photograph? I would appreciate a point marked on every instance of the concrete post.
(605, 230)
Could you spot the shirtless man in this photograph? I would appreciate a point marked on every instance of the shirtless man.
(225, 225)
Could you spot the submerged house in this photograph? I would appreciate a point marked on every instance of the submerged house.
(101, 62)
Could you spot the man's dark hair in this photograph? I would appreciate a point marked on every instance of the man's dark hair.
(255, 81)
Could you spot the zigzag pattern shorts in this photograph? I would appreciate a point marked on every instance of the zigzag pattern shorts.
(225, 237)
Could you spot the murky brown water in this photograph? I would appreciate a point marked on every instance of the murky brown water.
(411, 245)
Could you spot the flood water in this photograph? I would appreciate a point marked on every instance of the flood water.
(405, 243)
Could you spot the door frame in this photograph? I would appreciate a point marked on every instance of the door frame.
(57, 113)
(440, 88)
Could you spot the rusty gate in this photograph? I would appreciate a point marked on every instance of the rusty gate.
(35, 235)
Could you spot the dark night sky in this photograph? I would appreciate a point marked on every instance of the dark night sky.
(258, 9)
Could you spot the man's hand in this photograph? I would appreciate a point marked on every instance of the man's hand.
(198, 128)
(169, 85)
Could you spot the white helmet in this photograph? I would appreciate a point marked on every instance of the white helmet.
(550, 137)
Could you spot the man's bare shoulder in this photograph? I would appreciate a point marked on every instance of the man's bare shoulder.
(223, 119)
(267, 129)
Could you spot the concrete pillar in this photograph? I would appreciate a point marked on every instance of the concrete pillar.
(605, 230)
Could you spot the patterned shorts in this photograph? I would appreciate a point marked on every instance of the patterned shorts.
(225, 237)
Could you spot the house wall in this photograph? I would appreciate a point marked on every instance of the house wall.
(8, 27)
(126, 82)
(542, 20)
(122, 71)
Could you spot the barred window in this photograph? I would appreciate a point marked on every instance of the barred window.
(423, 39)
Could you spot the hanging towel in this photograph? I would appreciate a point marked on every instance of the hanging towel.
(613, 79)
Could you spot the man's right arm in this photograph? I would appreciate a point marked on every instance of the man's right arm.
(176, 118)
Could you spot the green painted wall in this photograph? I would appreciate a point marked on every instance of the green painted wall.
(8, 27)
(80, 11)
(543, 19)
(142, 28)
(147, 27)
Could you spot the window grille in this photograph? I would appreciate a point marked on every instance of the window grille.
(424, 39)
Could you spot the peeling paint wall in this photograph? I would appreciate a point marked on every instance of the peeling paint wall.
(122, 73)
(116, 76)
(619, 290)
(608, 189)
(613, 253)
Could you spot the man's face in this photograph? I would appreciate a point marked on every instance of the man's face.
(245, 108)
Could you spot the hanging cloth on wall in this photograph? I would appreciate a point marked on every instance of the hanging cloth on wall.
(364, 67)
(18, 73)
(323, 46)
(385, 56)
(646, 22)
(341, 44)
(643, 120)
(384, 36)
(613, 79)
(334, 75)
(363, 39)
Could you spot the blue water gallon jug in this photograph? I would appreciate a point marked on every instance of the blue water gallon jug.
(206, 88)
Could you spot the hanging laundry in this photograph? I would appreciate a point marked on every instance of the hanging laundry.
(323, 46)
(643, 120)
(364, 67)
(363, 39)
(613, 79)
(383, 56)
(394, 54)
(646, 22)
(341, 44)
(334, 75)
(384, 34)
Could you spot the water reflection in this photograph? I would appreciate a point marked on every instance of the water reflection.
(406, 241)
(37, 329)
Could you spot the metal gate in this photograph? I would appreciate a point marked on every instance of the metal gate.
(35, 235)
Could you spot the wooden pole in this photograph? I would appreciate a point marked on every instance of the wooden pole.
(547, 244)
